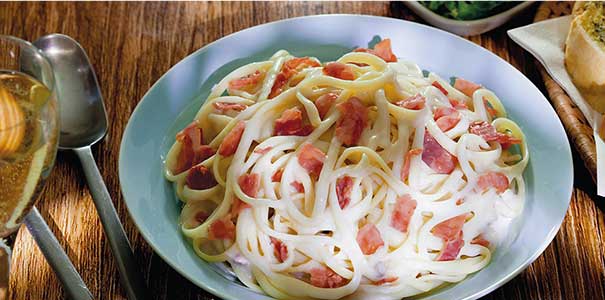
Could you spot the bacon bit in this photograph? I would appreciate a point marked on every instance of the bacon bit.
(479, 240)
(460, 201)
(326, 278)
(247, 83)
(222, 229)
(231, 141)
(465, 86)
(369, 239)
(415, 102)
(382, 50)
(249, 184)
(192, 151)
(288, 70)
(490, 110)
(353, 119)
(436, 157)
(339, 70)
(446, 118)
(344, 186)
(450, 231)
(407, 161)
(263, 151)
(291, 123)
(451, 248)
(489, 133)
(440, 87)
(385, 280)
(324, 103)
(496, 180)
(450, 228)
(457, 104)
(402, 212)
(223, 107)
(277, 176)
(298, 186)
(311, 159)
(280, 250)
(200, 178)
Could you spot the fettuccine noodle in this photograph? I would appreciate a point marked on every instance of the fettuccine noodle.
(390, 185)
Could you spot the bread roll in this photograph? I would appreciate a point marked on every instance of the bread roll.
(585, 52)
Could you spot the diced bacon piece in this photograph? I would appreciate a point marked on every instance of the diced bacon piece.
(407, 161)
(311, 159)
(298, 186)
(446, 118)
(231, 140)
(382, 50)
(450, 228)
(223, 107)
(200, 178)
(280, 250)
(278, 85)
(489, 133)
(222, 229)
(496, 180)
(263, 151)
(339, 70)
(344, 186)
(324, 103)
(479, 240)
(460, 201)
(277, 175)
(451, 248)
(466, 87)
(443, 111)
(403, 212)
(247, 83)
(440, 87)
(237, 207)
(289, 69)
(436, 157)
(353, 119)
(192, 150)
(415, 102)
(326, 278)
(249, 184)
(457, 104)
(385, 280)
(369, 239)
(291, 123)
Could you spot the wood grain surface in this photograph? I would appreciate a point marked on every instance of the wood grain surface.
(132, 44)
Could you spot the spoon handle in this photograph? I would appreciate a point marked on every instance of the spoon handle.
(131, 279)
(57, 258)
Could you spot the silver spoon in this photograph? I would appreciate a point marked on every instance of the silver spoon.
(83, 123)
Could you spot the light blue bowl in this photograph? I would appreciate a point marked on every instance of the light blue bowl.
(173, 101)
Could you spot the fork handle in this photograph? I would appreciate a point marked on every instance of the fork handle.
(130, 277)
(57, 258)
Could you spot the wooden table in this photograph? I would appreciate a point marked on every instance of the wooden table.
(132, 44)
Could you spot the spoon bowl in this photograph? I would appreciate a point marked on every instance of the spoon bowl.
(83, 115)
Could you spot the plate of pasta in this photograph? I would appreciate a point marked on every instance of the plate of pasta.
(346, 157)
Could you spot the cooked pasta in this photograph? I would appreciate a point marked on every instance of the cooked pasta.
(355, 178)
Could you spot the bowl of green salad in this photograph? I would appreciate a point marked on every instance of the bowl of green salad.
(467, 17)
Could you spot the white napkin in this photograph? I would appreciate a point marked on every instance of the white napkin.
(546, 41)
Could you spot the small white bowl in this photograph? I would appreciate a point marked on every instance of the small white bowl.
(466, 28)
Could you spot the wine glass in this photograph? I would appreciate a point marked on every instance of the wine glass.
(29, 132)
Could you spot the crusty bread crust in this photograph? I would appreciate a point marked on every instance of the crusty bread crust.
(585, 62)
